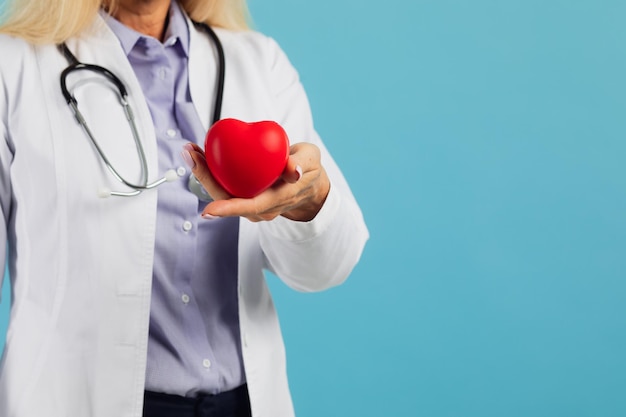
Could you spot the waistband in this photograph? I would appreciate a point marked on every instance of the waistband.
(234, 403)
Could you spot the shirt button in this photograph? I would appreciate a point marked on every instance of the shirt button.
(171, 133)
(187, 226)
(181, 171)
(185, 298)
(206, 363)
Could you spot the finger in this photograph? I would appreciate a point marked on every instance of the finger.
(236, 207)
(265, 206)
(194, 157)
(292, 172)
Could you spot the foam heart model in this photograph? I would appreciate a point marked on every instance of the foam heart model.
(246, 158)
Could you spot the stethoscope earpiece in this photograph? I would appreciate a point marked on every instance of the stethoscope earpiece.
(170, 175)
(104, 192)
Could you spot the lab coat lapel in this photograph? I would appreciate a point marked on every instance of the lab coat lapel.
(203, 63)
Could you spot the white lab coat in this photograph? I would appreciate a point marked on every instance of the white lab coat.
(81, 266)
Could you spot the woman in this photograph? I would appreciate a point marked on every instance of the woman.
(154, 304)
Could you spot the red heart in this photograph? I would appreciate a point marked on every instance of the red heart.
(246, 158)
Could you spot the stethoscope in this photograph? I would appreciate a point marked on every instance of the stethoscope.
(171, 175)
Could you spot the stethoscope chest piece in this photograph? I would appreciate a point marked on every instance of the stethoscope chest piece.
(198, 190)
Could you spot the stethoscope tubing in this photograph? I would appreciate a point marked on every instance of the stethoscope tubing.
(170, 175)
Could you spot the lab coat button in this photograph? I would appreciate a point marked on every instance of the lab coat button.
(171, 133)
(185, 298)
(187, 225)
(181, 171)
(206, 363)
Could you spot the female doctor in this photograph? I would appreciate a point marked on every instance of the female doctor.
(137, 288)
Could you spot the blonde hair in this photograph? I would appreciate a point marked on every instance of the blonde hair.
(55, 21)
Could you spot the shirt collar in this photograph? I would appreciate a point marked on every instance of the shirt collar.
(177, 29)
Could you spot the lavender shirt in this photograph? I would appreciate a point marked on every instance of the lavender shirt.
(194, 344)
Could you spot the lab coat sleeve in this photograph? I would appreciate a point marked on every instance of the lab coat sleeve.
(314, 255)
(5, 183)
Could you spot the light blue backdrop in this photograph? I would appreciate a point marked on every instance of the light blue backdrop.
(486, 143)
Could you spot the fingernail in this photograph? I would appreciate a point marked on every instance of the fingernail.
(299, 171)
(208, 216)
(187, 158)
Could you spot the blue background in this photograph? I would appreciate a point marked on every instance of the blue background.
(485, 141)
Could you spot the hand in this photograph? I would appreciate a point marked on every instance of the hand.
(297, 195)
